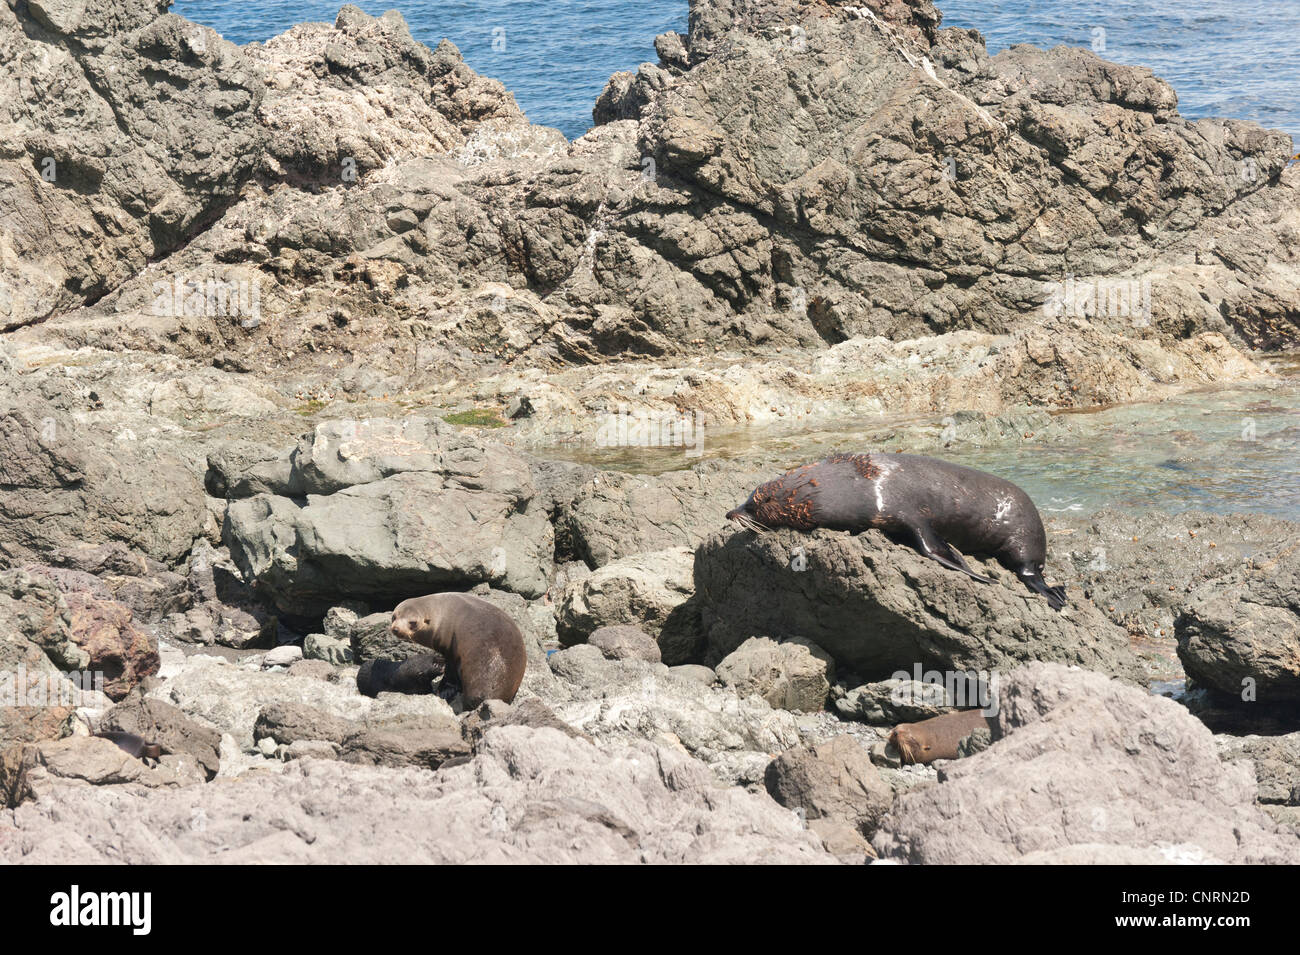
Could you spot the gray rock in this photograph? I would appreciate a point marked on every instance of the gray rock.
(42, 770)
(332, 650)
(624, 642)
(891, 702)
(696, 672)
(1084, 762)
(793, 674)
(284, 656)
(1276, 760)
(1240, 633)
(650, 590)
(529, 795)
(879, 608)
(404, 490)
(832, 780)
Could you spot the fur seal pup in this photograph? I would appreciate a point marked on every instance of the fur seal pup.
(937, 738)
(414, 676)
(483, 647)
(131, 744)
(937, 507)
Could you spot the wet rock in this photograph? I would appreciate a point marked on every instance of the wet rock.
(793, 674)
(1086, 762)
(879, 607)
(1240, 633)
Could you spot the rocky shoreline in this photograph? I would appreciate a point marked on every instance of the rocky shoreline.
(291, 332)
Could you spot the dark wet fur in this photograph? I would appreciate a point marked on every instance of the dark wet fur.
(941, 510)
(413, 676)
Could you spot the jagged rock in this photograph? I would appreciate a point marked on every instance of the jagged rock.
(529, 795)
(1276, 760)
(41, 770)
(93, 201)
(891, 702)
(159, 722)
(650, 590)
(1086, 768)
(336, 652)
(831, 782)
(1240, 633)
(879, 607)
(392, 508)
(793, 674)
(631, 699)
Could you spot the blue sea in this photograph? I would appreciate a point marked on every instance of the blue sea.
(1237, 58)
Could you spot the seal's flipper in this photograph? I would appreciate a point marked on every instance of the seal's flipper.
(936, 548)
(1055, 595)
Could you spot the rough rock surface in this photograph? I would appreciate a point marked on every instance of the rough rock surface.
(651, 590)
(1086, 763)
(1240, 633)
(530, 795)
(793, 674)
(834, 784)
(391, 508)
(879, 607)
(623, 642)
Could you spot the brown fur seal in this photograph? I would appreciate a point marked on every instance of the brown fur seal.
(483, 647)
(937, 738)
(936, 507)
(131, 744)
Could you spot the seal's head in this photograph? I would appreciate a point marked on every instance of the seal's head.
(787, 501)
(909, 748)
(412, 620)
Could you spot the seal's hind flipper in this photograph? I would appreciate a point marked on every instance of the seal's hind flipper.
(936, 548)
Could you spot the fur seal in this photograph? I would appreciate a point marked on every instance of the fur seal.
(414, 675)
(935, 506)
(131, 744)
(483, 647)
(937, 738)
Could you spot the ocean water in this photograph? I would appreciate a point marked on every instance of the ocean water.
(1237, 58)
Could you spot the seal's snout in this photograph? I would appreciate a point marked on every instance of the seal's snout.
(734, 514)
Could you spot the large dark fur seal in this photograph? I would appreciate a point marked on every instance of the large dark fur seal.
(483, 647)
(937, 507)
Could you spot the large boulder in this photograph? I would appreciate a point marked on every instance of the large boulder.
(383, 509)
(834, 784)
(1087, 769)
(793, 674)
(1240, 633)
(650, 590)
(879, 608)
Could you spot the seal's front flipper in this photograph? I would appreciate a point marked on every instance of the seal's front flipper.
(936, 548)
(1055, 595)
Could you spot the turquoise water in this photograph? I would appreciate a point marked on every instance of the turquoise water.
(1225, 450)
(1236, 58)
